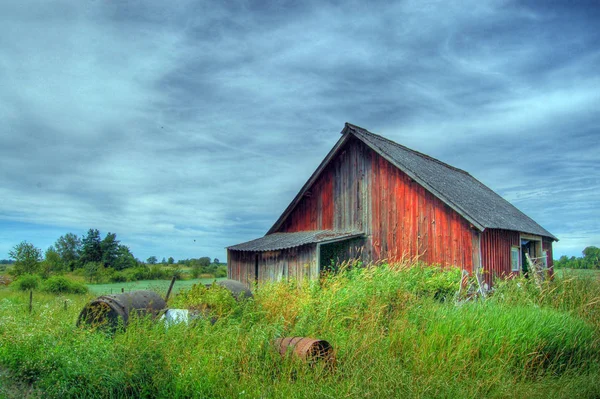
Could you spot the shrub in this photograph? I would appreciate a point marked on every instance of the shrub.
(157, 272)
(118, 277)
(63, 285)
(136, 273)
(196, 270)
(221, 271)
(27, 282)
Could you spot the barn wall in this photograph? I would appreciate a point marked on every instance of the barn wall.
(339, 197)
(547, 246)
(293, 263)
(495, 253)
(360, 190)
(408, 222)
(240, 266)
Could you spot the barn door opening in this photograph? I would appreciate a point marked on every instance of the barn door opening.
(532, 247)
(331, 255)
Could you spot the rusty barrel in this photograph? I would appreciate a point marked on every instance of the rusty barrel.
(237, 289)
(305, 348)
(108, 311)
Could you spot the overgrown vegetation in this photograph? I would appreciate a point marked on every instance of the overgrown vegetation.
(53, 285)
(589, 260)
(397, 332)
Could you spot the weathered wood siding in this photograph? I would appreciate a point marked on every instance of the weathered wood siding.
(360, 190)
(495, 253)
(294, 263)
(409, 222)
(547, 246)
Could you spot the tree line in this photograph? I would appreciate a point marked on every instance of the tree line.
(589, 260)
(96, 257)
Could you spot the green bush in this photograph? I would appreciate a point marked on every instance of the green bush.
(63, 285)
(118, 277)
(27, 282)
(136, 273)
(156, 272)
(221, 272)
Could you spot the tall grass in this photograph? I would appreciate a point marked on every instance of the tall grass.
(397, 332)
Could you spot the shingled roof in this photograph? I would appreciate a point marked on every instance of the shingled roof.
(477, 203)
(276, 241)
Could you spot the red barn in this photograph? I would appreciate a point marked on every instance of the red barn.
(376, 199)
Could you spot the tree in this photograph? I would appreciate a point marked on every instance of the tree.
(91, 247)
(170, 261)
(591, 256)
(164, 261)
(52, 263)
(110, 249)
(27, 258)
(125, 258)
(204, 261)
(152, 260)
(216, 261)
(68, 247)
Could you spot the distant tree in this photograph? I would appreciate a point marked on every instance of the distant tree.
(68, 247)
(91, 247)
(110, 249)
(125, 258)
(27, 258)
(6, 261)
(171, 261)
(204, 261)
(52, 263)
(216, 261)
(152, 260)
(164, 261)
(591, 256)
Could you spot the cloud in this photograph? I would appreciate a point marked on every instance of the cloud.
(167, 124)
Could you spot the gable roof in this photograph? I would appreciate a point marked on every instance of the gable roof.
(474, 201)
(276, 241)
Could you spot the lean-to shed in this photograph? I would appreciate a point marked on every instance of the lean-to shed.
(378, 200)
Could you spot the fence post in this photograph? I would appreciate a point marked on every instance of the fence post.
(30, 301)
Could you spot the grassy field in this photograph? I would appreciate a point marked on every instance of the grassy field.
(160, 286)
(395, 333)
(570, 273)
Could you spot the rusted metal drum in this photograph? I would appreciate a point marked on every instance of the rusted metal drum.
(237, 289)
(108, 311)
(305, 348)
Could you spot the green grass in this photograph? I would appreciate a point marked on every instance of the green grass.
(154, 285)
(567, 273)
(393, 335)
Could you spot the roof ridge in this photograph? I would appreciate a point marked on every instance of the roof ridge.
(361, 130)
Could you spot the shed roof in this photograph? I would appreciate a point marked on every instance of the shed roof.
(276, 241)
(458, 189)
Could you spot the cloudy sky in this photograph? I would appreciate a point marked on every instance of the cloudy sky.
(188, 126)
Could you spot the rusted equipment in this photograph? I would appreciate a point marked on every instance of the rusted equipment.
(237, 289)
(305, 348)
(108, 311)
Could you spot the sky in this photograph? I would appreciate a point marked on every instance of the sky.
(188, 126)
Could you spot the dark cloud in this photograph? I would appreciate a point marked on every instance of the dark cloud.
(169, 124)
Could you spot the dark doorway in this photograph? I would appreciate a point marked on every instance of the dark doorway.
(256, 268)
